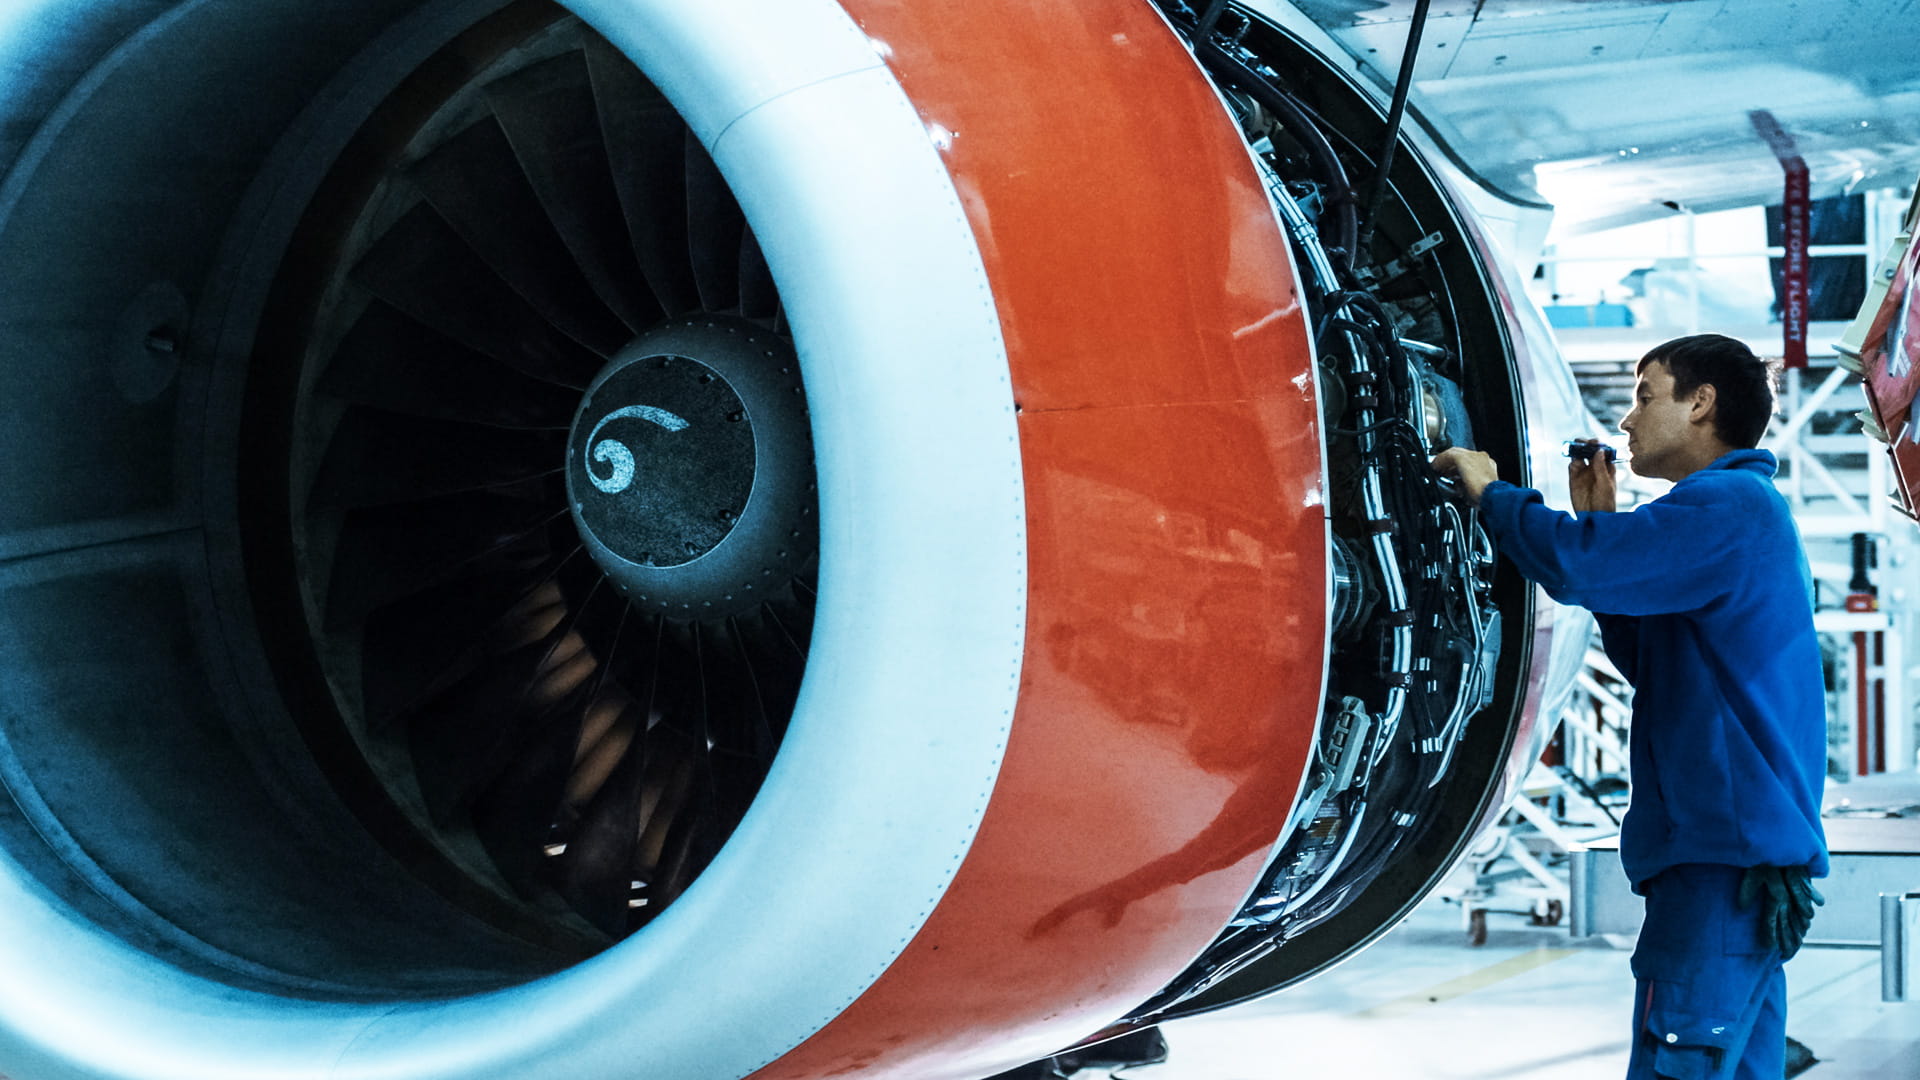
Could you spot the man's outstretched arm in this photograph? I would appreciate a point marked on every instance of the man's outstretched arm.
(1656, 560)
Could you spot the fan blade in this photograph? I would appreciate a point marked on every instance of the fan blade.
(608, 701)
(727, 775)
(775, 665)
(736, 780)
(513, 816)
(792, 615)
(737, 716)
(459, 737)
(684, 852)
(644, 139)
(474, 181)
(680, 701)
(549, 116)
(389, 552)
(634, 664)
(422, 267)
(680, 692)
(424, 643)
(758, 297)
(517, 812)
(668, 810)
(602, 614)
(393, 362)
(380, 457)
(596, 872)
(714, 230)
(466, 740)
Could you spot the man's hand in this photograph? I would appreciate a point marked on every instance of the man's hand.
(1472, 468)
(1787, 899)
(1592, 482)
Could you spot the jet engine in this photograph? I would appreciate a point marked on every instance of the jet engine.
(744, 538)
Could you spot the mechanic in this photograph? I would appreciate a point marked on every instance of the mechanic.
(1704, 603)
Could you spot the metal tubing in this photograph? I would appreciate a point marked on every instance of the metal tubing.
(1897, 911)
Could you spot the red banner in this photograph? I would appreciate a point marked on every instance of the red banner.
(1795, 217)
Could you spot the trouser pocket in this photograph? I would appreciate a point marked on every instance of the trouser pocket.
(1686, 1043)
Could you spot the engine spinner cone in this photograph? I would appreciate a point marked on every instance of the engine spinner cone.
(690, 468)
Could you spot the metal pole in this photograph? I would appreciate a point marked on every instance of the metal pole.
(1896, 911)
(1580, 893)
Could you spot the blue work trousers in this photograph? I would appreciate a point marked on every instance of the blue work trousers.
(1712, 998)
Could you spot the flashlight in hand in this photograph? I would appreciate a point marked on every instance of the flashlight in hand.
(1585, 450)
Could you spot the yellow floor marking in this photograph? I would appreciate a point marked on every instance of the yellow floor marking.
(1466, 984)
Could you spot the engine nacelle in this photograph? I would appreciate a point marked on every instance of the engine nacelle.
(760, 537)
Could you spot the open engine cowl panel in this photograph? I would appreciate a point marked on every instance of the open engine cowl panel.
(1429, 637)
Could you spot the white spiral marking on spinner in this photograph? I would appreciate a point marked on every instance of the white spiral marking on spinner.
(615, 453)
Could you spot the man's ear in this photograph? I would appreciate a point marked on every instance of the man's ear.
(1702, 403)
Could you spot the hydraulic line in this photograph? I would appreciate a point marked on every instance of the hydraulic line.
(1379, 518)
(1449, 736)
(1396, 113)
(1373, 498)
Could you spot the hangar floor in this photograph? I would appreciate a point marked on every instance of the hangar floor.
(1531, 1004)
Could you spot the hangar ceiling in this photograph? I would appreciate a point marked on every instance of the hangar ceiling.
(1623, 110)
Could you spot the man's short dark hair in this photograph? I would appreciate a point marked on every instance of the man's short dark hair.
(1742, 383)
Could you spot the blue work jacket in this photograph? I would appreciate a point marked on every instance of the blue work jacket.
(1706, 606)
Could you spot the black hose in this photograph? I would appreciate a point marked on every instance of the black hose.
(1209, 19)
(1377, 189)
(1367, 333)
(1372, 305)
(1340, 196)
(1377, 337)
(1395, 363)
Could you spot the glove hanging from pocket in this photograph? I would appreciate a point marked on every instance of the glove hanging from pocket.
(1787, 898)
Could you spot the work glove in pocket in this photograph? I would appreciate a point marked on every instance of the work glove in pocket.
(1787, 898)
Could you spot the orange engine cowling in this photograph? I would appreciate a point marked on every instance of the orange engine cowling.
(762, 537)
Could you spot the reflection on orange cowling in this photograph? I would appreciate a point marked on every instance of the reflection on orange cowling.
(1177, 594)
(1231, 608)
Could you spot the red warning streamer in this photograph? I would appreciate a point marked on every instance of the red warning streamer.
(1796, 220)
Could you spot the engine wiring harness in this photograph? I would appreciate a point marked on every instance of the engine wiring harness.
(1415, 631)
